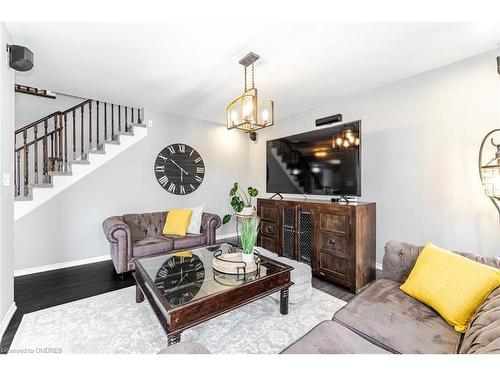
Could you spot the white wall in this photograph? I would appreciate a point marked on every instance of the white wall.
(6, 163)
(30, 108)
(68, 227)
(420, 146)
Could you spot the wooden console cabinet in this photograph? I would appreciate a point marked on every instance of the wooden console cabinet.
(337, 240)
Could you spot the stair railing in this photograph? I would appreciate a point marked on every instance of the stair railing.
(50, 145)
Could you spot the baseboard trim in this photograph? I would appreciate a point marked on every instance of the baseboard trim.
(6, 320)
(228, 235)
(378, 266)
(55, 266)
(79, 262)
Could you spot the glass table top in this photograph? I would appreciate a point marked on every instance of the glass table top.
(186, 276)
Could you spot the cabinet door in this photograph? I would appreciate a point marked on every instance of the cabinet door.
(305, 235)
(268, 212)
(288, 226)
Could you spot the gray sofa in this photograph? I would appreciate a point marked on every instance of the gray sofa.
(137, 235)
(383, 319)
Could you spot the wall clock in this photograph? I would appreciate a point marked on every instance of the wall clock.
(179, 169)
(180, 278)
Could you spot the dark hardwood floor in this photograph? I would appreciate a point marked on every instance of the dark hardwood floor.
(46, 289)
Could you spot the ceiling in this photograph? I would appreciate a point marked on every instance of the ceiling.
(192, 69)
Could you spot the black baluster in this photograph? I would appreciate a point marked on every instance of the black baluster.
(132, 115)
(139, 119)
(26, 176)
(119, 118)
(112, 121)
(90, 126)
(45, 154)
(74, 134)
(126, 120)
(81, 134)
(60, 132)
(105, 121)
(97, 125)
(18, 181)
(35, 146)
(65, 142)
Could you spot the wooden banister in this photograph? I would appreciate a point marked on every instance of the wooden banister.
(42, 146)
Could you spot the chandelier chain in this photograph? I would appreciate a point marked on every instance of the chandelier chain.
(253, 76)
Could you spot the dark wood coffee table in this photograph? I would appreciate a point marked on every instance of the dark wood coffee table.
(184, 290)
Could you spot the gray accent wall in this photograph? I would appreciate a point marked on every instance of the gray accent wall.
(6, 166)
(420, 143)
(68, 227)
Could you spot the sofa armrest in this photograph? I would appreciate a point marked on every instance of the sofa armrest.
(115, 228)
(118, 234)
(209, 224)
(399, 259)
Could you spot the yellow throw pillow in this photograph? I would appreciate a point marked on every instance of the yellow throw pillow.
(451, 284)
(177, 222)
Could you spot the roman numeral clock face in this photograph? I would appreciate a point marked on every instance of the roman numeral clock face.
(179, 169)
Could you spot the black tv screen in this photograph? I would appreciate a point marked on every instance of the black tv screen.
(323, 162)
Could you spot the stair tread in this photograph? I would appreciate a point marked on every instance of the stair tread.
(140, 125)
(42, 185)
(60, 173)
(112, 142)
(124, 133)
(79, 161)
(22, 198)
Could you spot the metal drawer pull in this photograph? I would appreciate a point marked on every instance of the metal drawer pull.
(332, 242)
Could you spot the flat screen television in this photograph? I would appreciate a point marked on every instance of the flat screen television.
(323, 162)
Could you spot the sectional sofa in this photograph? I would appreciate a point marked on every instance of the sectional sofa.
(382, 319)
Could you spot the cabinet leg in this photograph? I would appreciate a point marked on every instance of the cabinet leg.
(284, 301)
(139, 296)
(173, 339)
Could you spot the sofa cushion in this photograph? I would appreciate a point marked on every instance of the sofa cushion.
(385, 315)
(145, 225)
(483, 334)
(151, 245)
(451, 284)
(188, 241)
(330, 337)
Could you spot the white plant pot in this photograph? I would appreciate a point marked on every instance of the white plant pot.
(247, 258)
(247, 211)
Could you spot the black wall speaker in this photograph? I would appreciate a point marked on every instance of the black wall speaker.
(329, 120)
(21, 58)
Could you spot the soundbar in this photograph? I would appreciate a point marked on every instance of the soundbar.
(329, 120)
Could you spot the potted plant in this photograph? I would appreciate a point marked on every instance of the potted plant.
(248, 236)
(241, 201)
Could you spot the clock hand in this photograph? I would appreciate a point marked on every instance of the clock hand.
(178, 166)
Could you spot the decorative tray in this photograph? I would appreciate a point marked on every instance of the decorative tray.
(233, 264)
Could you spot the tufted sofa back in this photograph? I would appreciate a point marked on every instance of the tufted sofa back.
(483, 334)
(145, 225)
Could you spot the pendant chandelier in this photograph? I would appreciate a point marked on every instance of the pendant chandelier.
(248, 112)
(347, 139)
(489, 169)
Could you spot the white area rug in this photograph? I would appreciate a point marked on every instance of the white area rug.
(114, 323)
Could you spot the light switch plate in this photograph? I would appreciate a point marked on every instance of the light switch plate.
(6, 179)
(150, 123)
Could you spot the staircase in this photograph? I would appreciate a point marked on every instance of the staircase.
(57, 150)
(294, 165)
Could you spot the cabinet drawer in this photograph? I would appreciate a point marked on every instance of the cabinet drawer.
(268, 213)
(335, 222)
(334, 266)
(334, 244)
(268, 228)
(269, 243)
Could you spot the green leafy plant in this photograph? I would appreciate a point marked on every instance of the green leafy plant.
(248, 234)
(240, 199)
